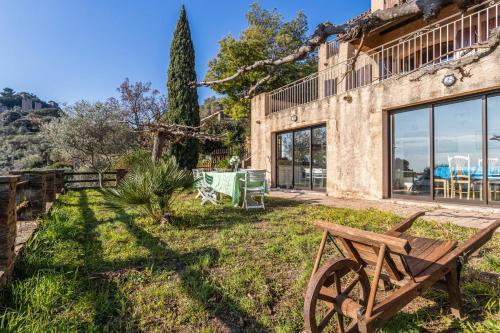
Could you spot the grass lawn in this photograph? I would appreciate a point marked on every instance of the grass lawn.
(215, 269)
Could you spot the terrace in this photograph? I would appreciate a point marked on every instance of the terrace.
(450, 37)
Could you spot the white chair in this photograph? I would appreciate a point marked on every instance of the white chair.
(197, 175)
(319, 174)
(492, 162)
(203, 184)
(492, 185)
(254, 186)
(460, 175)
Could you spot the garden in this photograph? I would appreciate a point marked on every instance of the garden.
(93, 266)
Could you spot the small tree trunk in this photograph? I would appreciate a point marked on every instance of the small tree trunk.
(158, 143)
(100, 179)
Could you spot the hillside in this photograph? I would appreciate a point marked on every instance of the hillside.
(21, 145)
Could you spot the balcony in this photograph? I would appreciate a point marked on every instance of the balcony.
(443, 41)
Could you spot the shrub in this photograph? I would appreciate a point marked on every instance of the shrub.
(133, 159)
(223, 164)
(151, 188)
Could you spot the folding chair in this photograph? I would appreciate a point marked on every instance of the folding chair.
(254, 186)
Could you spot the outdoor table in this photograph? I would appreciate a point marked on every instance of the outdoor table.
(229, 183)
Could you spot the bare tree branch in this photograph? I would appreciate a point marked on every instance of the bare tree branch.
(348, 31)
(177, 133)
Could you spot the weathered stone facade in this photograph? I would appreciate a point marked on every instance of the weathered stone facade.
(356, 124)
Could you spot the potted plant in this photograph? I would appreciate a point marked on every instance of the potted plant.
(235, 162)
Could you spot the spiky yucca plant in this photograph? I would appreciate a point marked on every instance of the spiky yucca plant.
(151, 188)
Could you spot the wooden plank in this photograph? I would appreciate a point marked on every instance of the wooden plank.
(351, 250)
(397, 245)
(389, 306)
(428, 258)
(405, 225)
(421, 251)
(418, 244)
(77, 173)
(392, 270)
(69, 181)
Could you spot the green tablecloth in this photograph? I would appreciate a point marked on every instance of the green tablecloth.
(229, 183)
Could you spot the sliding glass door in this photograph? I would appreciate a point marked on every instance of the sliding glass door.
(493, 143)
(284, 156)
(458, 150)
(301, 159)
(411, 153)
(318, 151)
(459, 139)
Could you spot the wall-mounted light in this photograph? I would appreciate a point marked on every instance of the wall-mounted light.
(449, 80)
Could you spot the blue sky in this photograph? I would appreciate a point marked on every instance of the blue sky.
(68, 50)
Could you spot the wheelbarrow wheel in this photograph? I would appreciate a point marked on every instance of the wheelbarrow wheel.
(340, 287)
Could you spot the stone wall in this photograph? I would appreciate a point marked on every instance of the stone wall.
(354, 121)
(37, 189)
(7, 224)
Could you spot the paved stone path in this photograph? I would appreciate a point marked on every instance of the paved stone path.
(466, 216)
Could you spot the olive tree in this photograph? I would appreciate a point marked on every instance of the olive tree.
(90, 135)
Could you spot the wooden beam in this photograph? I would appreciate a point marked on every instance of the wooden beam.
(320, 253)
(376, 278)
(394, 244)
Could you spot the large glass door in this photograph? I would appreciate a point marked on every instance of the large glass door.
(458, 150)
(411, 153)
(458, 140)
(493, 143)
(301, 159)
(318, 151)
(284, 156)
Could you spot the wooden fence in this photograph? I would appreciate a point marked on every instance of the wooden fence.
(225, 154)
(25, 195)
(79, 180)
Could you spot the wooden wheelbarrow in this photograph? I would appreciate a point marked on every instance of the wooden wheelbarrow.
(341, 286)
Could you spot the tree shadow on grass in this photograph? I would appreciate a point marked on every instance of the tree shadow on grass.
(225, 215)
(112, 310)
(190, 268)
(74, 276)
(473, 311)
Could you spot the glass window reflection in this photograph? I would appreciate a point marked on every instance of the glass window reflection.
(411, 151)
(458, 150)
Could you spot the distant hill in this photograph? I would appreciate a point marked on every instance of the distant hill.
(21, 115)
(10, 99)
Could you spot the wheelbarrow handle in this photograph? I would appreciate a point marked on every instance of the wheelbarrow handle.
(477, 240)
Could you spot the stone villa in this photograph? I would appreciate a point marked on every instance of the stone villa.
(376, 128)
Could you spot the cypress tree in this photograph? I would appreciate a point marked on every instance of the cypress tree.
(182, 99)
